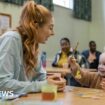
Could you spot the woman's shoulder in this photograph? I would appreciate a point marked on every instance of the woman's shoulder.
(12, 37)
(12, 34)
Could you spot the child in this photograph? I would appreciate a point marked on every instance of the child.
(89, 79)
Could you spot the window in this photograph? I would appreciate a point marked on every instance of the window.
(5, 22)
(64, 3)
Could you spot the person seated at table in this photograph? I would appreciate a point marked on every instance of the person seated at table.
(62, 56)
(86, 78)
(61, 59)
(19, 63)
(66, 50)
(92, 55)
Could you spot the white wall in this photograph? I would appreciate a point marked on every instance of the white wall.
(97, 26)
(67, 26)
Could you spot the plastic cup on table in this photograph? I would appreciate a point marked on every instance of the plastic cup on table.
(49, 92)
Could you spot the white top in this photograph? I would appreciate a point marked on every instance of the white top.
(12, 74)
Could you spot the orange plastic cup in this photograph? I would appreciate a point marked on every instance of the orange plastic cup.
(49, 92)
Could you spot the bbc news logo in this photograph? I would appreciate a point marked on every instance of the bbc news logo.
(6, 93)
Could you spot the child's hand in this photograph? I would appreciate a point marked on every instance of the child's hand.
(75, 68)
(73, 64)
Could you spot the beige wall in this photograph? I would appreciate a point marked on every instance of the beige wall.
(67, 26)
(97, 26)
(13, 10)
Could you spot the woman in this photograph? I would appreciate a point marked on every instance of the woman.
(19, 51)
(62, 56)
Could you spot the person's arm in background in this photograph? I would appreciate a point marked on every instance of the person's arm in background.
(83, 62)
(85, 53)
(54, 64)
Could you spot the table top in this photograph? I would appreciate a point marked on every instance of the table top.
(71, 96)
(62, 70)
(57, 70)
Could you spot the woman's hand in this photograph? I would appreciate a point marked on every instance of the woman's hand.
(57, 80)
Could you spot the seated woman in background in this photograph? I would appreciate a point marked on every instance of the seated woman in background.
(62, 56)
(61, 59)
(19, 52)
(86, 78)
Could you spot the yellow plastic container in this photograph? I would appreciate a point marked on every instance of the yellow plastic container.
(49, 92)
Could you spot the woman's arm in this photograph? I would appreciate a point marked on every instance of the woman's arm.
(12, 76)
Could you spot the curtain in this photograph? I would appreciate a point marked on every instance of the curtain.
(82, 9)
(17, 2)
(46, 3)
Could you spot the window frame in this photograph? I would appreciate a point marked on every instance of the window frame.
(57, 2)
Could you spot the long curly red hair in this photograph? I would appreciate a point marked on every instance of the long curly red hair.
(32, 13)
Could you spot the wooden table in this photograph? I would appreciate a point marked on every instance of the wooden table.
(57, 70)
(64, 70)
(72, 96)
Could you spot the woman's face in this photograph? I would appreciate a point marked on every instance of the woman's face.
(101, 66)
(65, 46)
(45, 31)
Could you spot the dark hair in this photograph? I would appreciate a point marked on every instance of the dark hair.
(91, 42)
(66, 39)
